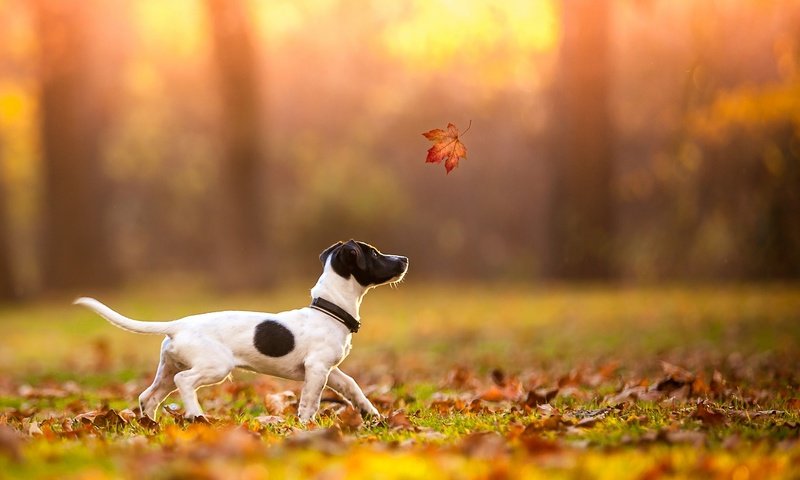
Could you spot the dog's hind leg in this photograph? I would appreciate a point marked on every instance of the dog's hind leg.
(163, 384)
(347, 387)
(190, 380)
(209, 363)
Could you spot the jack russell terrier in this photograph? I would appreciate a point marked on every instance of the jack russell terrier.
(307, 344)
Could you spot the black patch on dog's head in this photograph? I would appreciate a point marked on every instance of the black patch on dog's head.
(273, 339)
(364, 262)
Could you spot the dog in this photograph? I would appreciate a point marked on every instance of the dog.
(306, 344)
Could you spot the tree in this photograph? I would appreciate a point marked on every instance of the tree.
(243, 242)
(581, 225)
(74, 109)
(7, 287)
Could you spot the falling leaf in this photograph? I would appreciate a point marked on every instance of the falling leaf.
(446, 146)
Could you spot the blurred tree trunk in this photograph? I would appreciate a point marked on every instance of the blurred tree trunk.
(243, 243)
(581, 226)
(7, 286)
(73, 108)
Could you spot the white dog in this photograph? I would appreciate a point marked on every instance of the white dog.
(307, 344)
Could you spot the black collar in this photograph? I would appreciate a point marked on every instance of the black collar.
(337, 313)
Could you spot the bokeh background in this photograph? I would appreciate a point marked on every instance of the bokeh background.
(229, 142)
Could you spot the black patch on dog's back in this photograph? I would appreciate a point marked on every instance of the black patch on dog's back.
(273, 339)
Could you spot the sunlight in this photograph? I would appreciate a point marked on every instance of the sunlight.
(177, 27)
(433, 33)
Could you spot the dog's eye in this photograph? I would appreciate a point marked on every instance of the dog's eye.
(374, 254)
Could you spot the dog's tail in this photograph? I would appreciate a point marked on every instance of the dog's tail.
(123, 322)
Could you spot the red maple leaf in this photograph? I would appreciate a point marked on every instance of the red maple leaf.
(446, 146)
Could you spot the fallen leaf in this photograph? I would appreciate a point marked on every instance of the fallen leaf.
(676, 379)
(699, 387)
(10, 443)
(278, 403)
(326, 440)
(148, 423)
(101, 418)
(588, 418)
(486, 445)
(445, 406)
(349, 420)
(683, 436)
(708, 415)
(536, 444)
(127, 414)
(399, 421)
(34, 430)
(493, 394)
(237, 442)
(553, 422)
(661, 469)
(461, 378)
(446, 146)
(717, 383)
(498, 377)
(269, 419)
(540, 396)
(676, 373)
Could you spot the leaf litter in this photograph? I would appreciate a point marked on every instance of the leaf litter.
(744, 411)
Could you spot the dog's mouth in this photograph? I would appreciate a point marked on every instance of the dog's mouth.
(398, 279)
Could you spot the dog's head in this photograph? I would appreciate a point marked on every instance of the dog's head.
(365, 263)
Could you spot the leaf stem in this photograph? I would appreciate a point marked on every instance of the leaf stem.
(467, 130)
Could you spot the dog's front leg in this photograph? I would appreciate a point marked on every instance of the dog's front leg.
(346, 386)
(316, 378)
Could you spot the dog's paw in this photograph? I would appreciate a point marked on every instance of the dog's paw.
(370, 412)
(306, 420)
(373, 417)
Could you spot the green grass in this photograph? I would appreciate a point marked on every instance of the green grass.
(414, 342)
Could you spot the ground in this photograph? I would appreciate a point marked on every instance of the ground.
(476, 381)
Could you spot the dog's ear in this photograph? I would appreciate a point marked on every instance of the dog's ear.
(354, 255)
(325, 253)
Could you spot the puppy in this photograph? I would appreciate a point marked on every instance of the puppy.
(307, 344)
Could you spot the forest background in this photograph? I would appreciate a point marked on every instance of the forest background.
(229, 142)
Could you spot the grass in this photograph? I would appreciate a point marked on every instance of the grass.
(459, 362)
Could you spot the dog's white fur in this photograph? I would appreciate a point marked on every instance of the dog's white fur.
(202, 350)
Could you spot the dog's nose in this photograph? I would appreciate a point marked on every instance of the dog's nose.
(404, 261)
